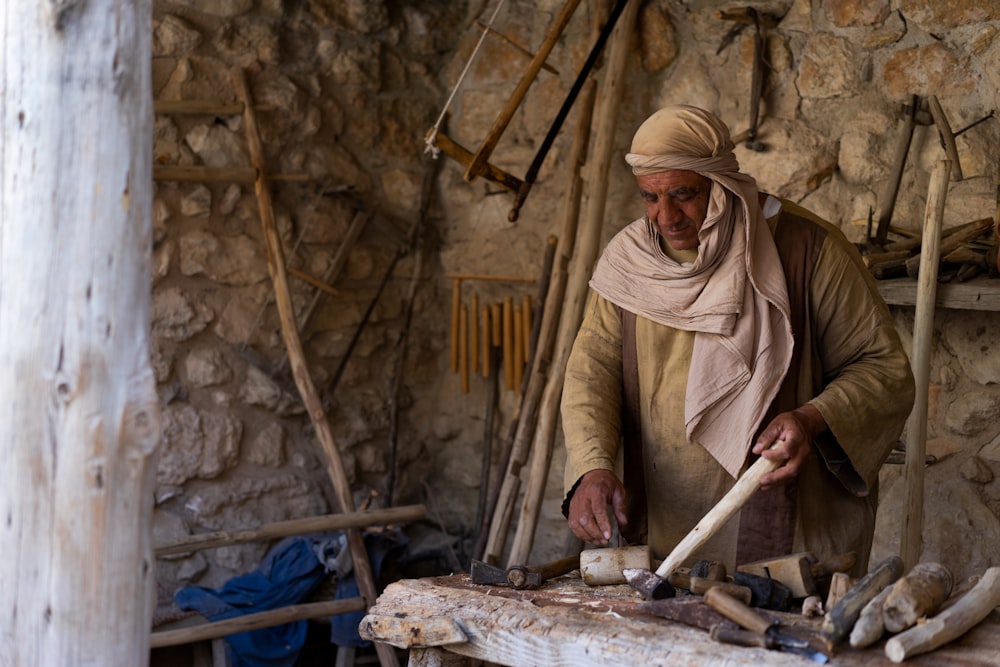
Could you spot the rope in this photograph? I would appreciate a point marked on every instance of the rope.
(432, 135)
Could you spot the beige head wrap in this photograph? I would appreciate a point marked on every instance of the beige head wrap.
(733, 294)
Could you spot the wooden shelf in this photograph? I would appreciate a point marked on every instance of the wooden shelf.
(978, 294)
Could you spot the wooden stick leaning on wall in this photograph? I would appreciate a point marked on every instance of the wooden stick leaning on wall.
(296, 355)
(485, 519)
(586, 250)
(923, 335)
(551, 315)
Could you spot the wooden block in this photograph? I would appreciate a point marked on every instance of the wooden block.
(840, 583)
(793, 571)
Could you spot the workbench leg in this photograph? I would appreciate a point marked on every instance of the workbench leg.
(437, 657)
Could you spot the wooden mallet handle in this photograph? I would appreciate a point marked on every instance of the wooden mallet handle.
(717, 517)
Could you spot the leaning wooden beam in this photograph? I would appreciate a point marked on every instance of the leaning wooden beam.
(586, 250)
(296, 356)
(923, 334)
(248, 622)
(542, 363)
(197, 107)
(269, 531)
(202, 174)
(482, 156)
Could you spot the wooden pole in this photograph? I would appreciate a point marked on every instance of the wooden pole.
(474, 333)
(487, 341)
(463, 347)
(297, 359)
(518, 346)
(270, 531)
(586, 250)
(508, 342)
(923, 336)
(80, 415)
(456, 310)
(541, 365)
(248, 622)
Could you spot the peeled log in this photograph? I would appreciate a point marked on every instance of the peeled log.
(916, 595)
(951, 624)
(870, 626)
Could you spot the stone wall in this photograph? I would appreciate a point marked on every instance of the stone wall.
(348, 90)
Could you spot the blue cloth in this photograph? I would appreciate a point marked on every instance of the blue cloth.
(289, 573)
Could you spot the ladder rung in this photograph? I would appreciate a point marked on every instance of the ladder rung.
(263, 619)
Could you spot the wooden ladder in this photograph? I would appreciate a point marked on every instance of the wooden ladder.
(279, 272)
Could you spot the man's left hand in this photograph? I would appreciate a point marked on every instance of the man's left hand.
(791, 433)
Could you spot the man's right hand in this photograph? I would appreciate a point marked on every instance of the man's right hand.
(588, 508)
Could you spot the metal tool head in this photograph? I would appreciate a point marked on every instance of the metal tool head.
(649, 584)
(516, 577)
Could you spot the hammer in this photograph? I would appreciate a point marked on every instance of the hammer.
(717, 517)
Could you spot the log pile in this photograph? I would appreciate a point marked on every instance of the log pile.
(967, 251)
(919, 611)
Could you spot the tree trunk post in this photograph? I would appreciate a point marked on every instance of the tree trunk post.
(79, 415)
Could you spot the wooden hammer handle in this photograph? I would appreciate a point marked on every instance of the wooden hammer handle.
(734, 610)
(717, 517)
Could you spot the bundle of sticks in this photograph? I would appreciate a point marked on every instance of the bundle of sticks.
(476, 331)
(966, 252)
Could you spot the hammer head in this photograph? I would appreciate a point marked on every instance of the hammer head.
(648, 583)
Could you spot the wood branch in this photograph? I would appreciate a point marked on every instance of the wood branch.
(744, 15)
(481, 276)
(315, 282)
(923, 334)
(840, 584)
(951, 624)
(202, 174)
(248, 622)
(951, 242)
(296, 356)
(840, 619)
(870, 625)
(919, 593)
(198, 108)
(947, 138)
(270, 531)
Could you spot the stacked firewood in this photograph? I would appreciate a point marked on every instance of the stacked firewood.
(966, 251)
(922, 609)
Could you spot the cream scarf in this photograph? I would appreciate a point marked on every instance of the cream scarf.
(733, 295)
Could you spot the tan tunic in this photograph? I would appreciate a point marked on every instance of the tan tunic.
(848, 346)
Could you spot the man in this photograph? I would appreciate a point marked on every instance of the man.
(723, 322)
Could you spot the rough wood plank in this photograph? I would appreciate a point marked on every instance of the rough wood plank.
(565, 623)
(979, 294)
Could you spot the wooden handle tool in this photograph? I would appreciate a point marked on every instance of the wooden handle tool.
(717, 517)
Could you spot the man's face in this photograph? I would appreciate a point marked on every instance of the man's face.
(676, 202)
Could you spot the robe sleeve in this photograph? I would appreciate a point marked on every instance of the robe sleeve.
(592, 393)
(868, 385)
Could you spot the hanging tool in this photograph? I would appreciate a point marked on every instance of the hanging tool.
(477, 164)
(756, 83)
(521, 577)
(763, 631)
(760, 21)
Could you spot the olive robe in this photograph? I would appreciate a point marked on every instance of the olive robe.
(848, 362)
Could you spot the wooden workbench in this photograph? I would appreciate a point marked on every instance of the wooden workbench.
(448, 620)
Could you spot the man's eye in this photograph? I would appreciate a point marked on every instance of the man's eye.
(649, 197)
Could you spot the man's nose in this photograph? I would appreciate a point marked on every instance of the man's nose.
(667, 213)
